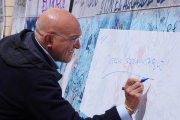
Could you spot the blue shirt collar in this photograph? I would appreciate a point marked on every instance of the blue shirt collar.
(54, 64)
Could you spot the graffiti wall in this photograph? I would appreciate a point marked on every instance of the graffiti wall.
(158, 20)
(91, 7)
(19, 16)
(26, 12)
(31, 23)
(47, 4)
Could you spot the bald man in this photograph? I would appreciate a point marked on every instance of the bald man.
(28, 86)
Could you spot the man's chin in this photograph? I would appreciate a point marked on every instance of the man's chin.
(68, 60)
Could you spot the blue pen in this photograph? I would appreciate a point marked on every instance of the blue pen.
(142, 80)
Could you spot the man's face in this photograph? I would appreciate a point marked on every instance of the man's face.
(62, 48)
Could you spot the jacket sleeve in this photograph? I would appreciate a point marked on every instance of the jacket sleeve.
(44, 99)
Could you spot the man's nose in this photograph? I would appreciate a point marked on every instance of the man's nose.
(77, 45)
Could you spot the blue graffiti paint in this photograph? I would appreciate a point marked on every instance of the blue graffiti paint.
(31, 23)
(107, 6)
(149, 2)
(131, 4)
(160, 1)
(124, 72)
(148, 62)
(118, 6)
(91, 3)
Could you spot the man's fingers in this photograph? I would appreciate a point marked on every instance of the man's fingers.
(134, 85)
(137, 87)
(131, 81)
(133, 91)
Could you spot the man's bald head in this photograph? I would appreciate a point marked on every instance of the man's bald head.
(57, 31)
(54, 20)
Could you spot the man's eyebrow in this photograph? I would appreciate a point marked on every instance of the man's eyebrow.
(76, 35)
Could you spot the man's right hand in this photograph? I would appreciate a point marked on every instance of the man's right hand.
(133, 93)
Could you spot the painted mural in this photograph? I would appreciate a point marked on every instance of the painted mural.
(19, 19)
(91, 7)
(31, 23)
(47, 4)
(27, 11)
(19, 8)
(164, 20)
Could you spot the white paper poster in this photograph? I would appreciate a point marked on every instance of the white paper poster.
(121, 54)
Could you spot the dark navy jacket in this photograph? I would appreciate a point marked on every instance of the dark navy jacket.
(28, 84)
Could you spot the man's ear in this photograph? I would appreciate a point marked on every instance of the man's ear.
(48, 40)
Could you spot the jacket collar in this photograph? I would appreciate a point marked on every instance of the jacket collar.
(15, 53)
